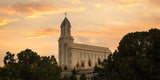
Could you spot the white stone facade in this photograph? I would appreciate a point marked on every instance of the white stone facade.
(78, 55)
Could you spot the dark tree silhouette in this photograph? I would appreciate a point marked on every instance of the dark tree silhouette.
(83, 77)
(65, 67)
(137, 57)
(29, 66)
(9, 58)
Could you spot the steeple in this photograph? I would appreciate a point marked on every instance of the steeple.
(66, 23)
(65, 14)
(65, 27)
(65, 40)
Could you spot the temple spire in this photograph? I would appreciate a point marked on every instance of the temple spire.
(65, 14)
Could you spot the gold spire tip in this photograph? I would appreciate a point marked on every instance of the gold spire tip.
(65, 14)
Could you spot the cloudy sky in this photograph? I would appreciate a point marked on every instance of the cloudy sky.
(35, 24)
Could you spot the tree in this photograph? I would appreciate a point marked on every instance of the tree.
(72, 77)
(74, 71)
(49, 68)
(9, 58)
(95, 77)
(137, 57)
(1, 74)
(27, 62)
(28, 57)
(65, 78)
(83, 77)
(96, 68)
(30, 66)
(65, 67)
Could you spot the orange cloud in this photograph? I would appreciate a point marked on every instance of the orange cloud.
(91, 33)
(6, 21)
(51, 32)
(42, 33)
(33, 10)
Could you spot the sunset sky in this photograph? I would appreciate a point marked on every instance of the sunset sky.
(35, 24)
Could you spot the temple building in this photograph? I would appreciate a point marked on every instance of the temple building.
(78, 55)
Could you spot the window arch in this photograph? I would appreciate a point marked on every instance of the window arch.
(84, 55)
(80, 55)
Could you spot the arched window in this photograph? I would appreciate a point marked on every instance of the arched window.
(99, 61)
(89, 63)
(80, 55)
(68, 30)
(88, 55)
(61, 55)
(70, 54)
(91, 56)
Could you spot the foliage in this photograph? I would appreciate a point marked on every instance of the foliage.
(95, 77)
(65, 78)
(65, 67)
(9, 58)
(72, 77)
(83, 77)
(74, 71)
(97, 69)
(137, 57)
(29, 66)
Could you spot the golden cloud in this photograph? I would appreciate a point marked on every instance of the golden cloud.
(34, 0)
(129, 3)
(74, 1)
(6, 21)
(33, 10)
(98, 5)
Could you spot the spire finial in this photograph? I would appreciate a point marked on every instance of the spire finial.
(65, 14)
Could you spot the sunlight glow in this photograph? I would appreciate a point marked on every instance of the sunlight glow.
(98, 5)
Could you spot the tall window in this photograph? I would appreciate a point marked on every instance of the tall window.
(61, 55)
(88, 55)
(68, 30)
(92, 56)
(80, 55)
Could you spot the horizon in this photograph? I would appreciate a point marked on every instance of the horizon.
(35, 24)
